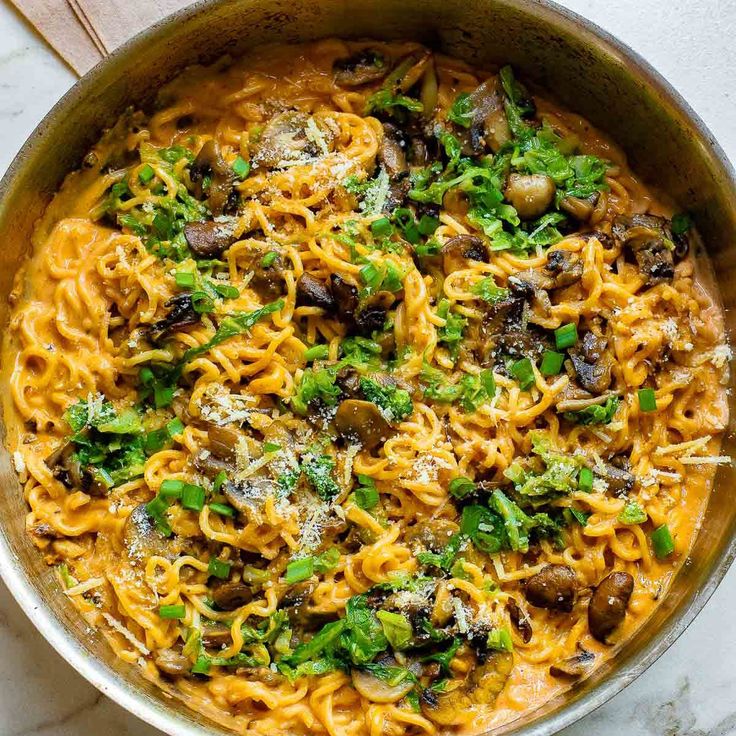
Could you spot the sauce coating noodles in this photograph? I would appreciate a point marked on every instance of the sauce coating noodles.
(341, 384)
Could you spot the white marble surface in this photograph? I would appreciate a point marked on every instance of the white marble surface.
(691, 690)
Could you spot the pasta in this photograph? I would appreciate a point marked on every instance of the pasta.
(354, 391)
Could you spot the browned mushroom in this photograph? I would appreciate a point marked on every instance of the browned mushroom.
(360, 68)
(576, 666)
(617, 474)
(65, 466)
(229, 596)
(380, 691)
(370, 319)
(312, 292)
(607, 607)
(172, 663)
(581, 400)
(141, 537)
(489, 123)
(392, 152)
(249, 492)
(530, 194)
(223, 441)
(208, 239)
(291, 137)
(564, 268)
(362, 420)
(267, 280)
(581, 209)
(520, 620)
(210, 466)
(553, 587)
(592, 363)
(650, 240)
(457, 251)
(481, 686)
(209, 165)
(430, 534)
(181, 314)
(346, 298)
(216, 635)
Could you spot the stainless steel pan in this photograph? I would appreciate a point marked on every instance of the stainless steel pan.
(586, 69)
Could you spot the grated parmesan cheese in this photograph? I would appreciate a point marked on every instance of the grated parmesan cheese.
(117, 626)
(19, 462)
(84, 587)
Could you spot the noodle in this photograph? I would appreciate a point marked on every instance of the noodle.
(179, 399)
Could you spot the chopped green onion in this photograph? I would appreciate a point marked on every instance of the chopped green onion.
(171, 488)
(174, 611)
(220, 479)
(632, 513)
(201, 666)
(327, 560)
(566, 336)
(298, 570)
(551, 363)
(202, 303)
(647, 399)
(662, 541)
(223, 509)
(428, 224)
(146, 174)
(269, 258)
(241, 167)
(219, 568)
(145, 376)
(269, 447)
(585, 480)
(162, 396)
(317, 352)
(523, 372)
(366, 497)
(381, 228)
(580, 516)
(500, 639)
(226, 291)
(175, 427)
(461, 486)
(192, 497)
(185, 279)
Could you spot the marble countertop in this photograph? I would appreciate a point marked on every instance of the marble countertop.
(691, 690)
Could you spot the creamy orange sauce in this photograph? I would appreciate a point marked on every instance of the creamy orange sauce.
(80, 328)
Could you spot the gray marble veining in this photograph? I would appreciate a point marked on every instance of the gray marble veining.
(691, 690)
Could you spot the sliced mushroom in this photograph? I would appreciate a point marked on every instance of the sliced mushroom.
(578, 665)
(65, 466)
(291, 137)
(530, 194)
(380, 691)
(480, 687)
(564, 268)
(592, 363)
(345, 296)
(208, 239)
(209, 164)
(607, 607)
(249, 492)
(223, 441)
(520, 620)
(181, 314)
(430, 534)
(457, 251)
(568, 403)
(581, 209)
(172, 663)
(618, 476)
(650, 240)
(360, 68)
(312, 292)
(553, 587)
(267, 281)
(141, 537)
(216, 635)
(229, 596)
(370, 319)
(348, 380)
(489, 123)
(392, 152)
(210, 465)
(362, 420)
